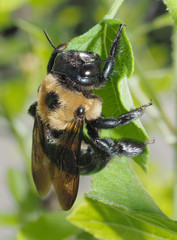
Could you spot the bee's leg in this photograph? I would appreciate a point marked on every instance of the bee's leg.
(32, 109)
(100, 151)
(92, 159)
(112, 54)
(106, 123)
(122, 147)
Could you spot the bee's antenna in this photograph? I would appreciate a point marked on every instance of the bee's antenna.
(51, 43)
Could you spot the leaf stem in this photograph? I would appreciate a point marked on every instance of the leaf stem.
(16, 134)
(154, 98)
(175, 145)
(172, 7)
(113, 9)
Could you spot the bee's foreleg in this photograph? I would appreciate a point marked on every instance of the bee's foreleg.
(107, 70)
(107, 123)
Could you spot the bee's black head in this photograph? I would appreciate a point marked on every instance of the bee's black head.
(83, 67)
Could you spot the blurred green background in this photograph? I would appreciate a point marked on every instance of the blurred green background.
(24, 54)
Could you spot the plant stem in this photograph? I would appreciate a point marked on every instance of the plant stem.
(154, 98)
(172, 7)
(16, 135)
(175, 89)
(113, 9)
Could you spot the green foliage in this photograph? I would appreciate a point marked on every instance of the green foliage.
(18, 190)
(172, 6)
(122, 188)
(48, 226)
(13, 96)
(114, 222)
(118, 206)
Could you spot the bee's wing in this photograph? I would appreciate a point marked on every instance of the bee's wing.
(66, 187)
(40, 162)
(65, 172)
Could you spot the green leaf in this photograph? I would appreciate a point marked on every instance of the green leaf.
(13, 95)
(5, 20)
(70, 16)
(118, 207)
(118, 184)
(9, 6)
(48, 226)
(172, 7)
(17, 184)
(30, 28)
(160, 80)
(26, 200)
(83, 236)
(9, 219)
(116, 96)
(115, 223)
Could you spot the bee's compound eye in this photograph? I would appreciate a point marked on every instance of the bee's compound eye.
(89, 70)
(52, 100)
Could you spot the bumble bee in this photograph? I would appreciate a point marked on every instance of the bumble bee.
(60, 150)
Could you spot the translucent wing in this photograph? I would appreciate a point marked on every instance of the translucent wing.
(40, 162)
(65, 171)
(58, 166)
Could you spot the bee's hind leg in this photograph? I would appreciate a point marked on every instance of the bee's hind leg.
(100, 150)
(92, 159)
(96, 155)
